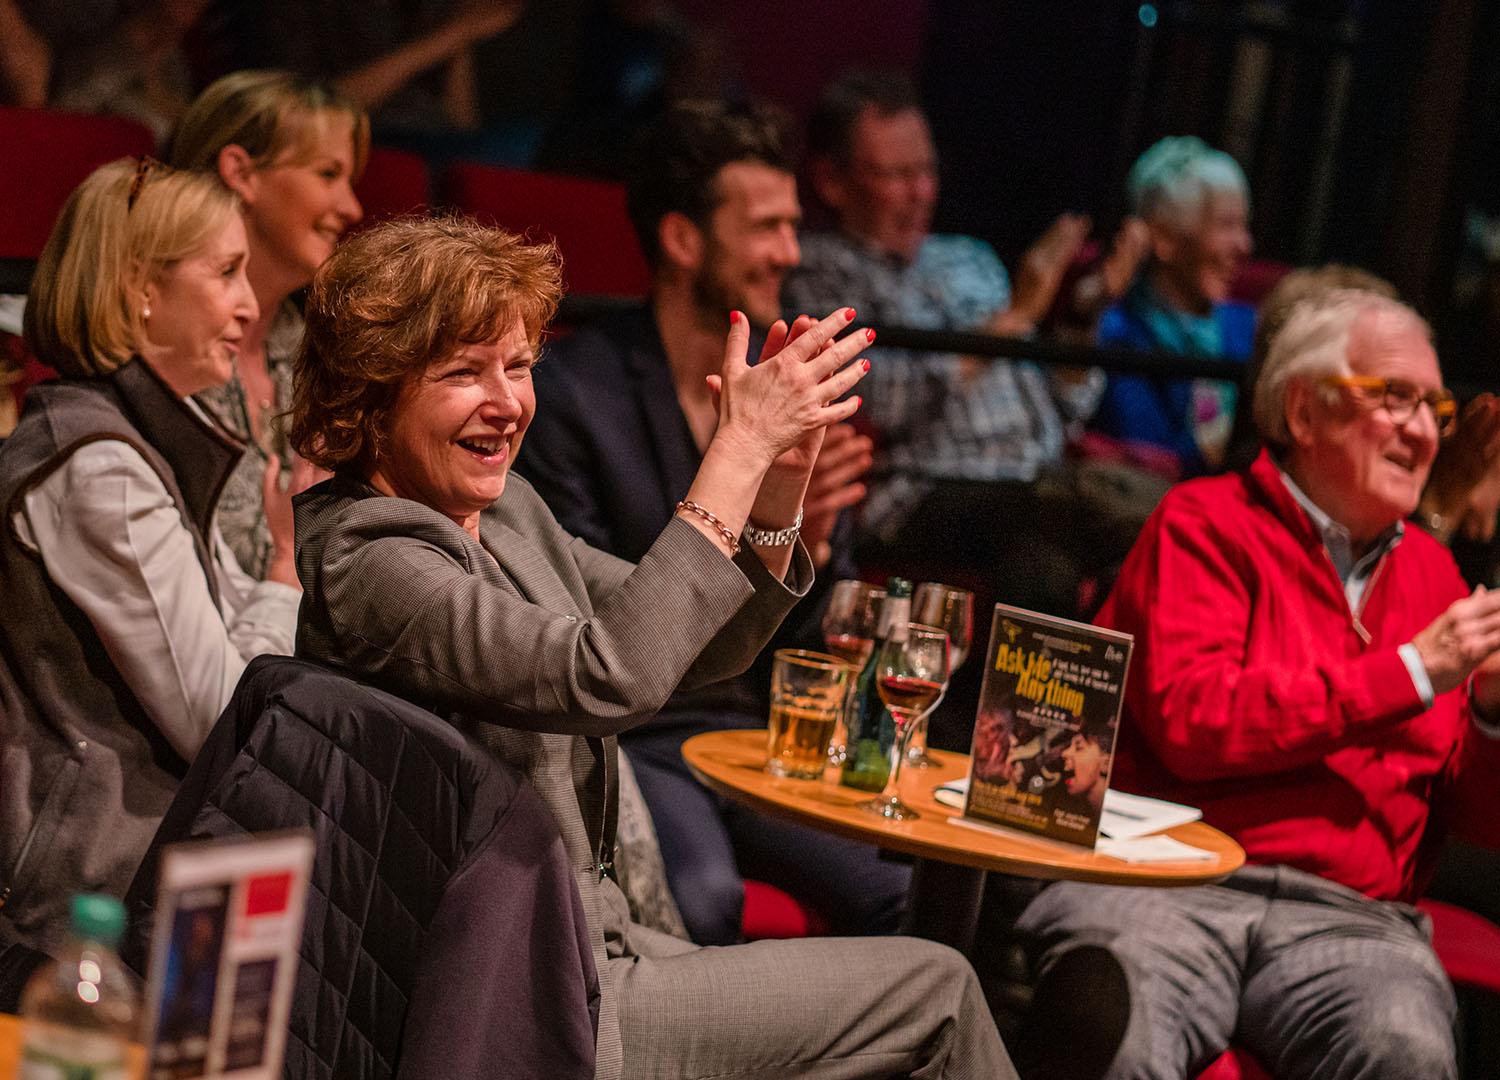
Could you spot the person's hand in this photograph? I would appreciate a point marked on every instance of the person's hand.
(834, 486)
(1460, 639)
(1465, 461)
(1478, 522)
(800, 459)
(784, 402)
(1041, 273)
(1127, 251)
(277, 504)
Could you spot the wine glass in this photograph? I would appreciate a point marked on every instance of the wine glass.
(911, 676)
(953, 610)
(849, 627)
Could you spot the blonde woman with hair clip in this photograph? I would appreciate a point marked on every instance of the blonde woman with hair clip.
(136, 619)
(291, 149)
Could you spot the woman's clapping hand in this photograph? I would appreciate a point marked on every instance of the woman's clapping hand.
(781, 405)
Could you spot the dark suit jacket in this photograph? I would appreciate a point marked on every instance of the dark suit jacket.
(610, 452)
(542, 646)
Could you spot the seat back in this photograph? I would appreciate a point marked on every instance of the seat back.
(48, 154)
(1468, 945)
(1256, 279)
(585, 218)
(394, 182)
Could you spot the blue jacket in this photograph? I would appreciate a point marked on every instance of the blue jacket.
(1155, 411)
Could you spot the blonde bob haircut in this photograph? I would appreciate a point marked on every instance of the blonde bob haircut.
(392, 301)
(1313, 343)
(267, 113)
(84, 313)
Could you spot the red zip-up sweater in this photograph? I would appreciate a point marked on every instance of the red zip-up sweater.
(1256, 694)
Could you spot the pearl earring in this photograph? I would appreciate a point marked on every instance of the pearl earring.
(146, 312)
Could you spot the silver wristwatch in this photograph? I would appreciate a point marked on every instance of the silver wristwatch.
(773, 537)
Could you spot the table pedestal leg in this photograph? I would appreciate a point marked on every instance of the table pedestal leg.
(944, 903)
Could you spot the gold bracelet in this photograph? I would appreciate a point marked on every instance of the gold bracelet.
(707, 515)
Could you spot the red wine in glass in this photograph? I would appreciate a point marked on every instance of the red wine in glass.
(908, 694)
(850, 648)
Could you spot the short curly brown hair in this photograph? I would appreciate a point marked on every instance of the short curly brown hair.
(395, 299)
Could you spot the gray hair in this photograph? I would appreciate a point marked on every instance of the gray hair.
(1173, 179)
(1313, 343)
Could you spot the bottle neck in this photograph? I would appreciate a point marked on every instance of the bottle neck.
(895, 613)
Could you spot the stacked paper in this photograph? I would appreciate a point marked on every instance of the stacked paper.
(1126, 826)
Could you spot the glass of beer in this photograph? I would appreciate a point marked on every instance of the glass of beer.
(807, 692)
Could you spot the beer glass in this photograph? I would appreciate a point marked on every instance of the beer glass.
(807, 694)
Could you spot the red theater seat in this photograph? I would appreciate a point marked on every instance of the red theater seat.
(1234, 1064)
(394, 183)
(1467, 944)
(1257, 278)
(771, 913)
(586, 218)
(47, 155)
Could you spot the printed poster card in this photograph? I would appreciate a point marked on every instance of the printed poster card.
(1044, 736)
(224, 956)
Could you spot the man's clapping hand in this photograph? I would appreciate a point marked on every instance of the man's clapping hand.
(835, 485)
(1459, 640)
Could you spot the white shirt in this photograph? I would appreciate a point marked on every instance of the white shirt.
(113, 540)
(1356, 574)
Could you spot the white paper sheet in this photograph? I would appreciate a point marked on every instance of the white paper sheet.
(1125, 816)
(1152, 849)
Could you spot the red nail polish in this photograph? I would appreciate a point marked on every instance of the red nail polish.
(870, 335)
(849, 314)
(734, 318)
(858, 401)
(866, 363)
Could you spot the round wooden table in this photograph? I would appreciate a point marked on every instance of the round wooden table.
(951, 858)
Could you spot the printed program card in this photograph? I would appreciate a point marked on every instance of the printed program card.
(224, 956)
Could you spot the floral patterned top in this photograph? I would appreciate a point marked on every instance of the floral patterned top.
(242, 518)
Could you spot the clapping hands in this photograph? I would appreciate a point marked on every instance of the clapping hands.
(775, 413)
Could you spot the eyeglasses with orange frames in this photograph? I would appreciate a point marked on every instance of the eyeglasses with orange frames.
(1400, 398)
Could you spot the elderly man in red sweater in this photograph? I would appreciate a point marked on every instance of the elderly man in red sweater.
(1313, 673)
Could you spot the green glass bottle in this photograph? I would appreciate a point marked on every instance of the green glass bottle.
(872, 731)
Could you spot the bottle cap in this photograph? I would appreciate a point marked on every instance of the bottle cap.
(98, 918)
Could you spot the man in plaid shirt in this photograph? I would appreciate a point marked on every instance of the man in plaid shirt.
(965, 445)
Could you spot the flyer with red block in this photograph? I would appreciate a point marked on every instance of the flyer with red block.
(224, 948)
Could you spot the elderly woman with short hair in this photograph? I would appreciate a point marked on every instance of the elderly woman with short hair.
(435, 573)
(129, 620)
(1195, 202)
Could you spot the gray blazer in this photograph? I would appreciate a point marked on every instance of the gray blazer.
(540, 645)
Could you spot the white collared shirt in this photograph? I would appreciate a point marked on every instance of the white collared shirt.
(1355, 573)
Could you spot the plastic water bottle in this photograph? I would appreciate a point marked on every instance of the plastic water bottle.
(80, 1010)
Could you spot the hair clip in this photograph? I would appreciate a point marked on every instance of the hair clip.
(144, 163)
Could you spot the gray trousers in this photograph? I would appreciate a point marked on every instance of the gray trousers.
(1311, 977)
(834, 1008)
